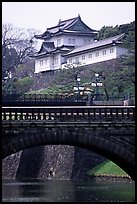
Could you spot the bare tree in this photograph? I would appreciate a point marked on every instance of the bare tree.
(17, 45)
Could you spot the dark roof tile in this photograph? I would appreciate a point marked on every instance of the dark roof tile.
(66, 25)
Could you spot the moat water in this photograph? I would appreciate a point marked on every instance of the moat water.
(38, 190)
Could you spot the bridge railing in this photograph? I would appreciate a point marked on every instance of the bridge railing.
(80, 113)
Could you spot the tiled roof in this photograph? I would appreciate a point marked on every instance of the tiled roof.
(107, 41)
(64, 26)
(60, 26)
(48, 48)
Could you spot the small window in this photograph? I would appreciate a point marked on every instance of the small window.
(73, 41)
(97, 54)
(83, 57)
(104, 52)
(58, 42)
(46, 61)
(90, 55)
(111, 50)
(70, 60)
(55, 61)
(41, 63)
(76, 59)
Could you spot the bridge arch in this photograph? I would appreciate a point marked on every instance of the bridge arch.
(89, 138)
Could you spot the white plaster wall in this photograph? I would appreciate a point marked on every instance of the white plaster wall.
(118, 51)
(54, 39)
(57, 66)
(45, 67)
(50, 65)
(79, 40)
(95, 59)
(38, 67)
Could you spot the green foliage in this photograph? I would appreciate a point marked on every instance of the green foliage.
(118, 79)
(23, 84)
(22, 71)
(9, 87)
(107, 168)
(107, 31)
(128, 29)
(21, 68)
(13, 85)
(53, 90)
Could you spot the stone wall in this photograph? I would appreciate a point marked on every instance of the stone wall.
(51, 161)
(10, 165)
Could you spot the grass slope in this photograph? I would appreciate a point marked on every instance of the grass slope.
(107, 168)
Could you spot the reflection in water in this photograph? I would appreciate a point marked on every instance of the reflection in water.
(49, 191)
(66, 191)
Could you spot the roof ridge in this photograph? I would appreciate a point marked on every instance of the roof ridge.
(115, 36)
(60, 21)
(76, 19)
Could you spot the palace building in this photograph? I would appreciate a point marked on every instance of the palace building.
(72, 42)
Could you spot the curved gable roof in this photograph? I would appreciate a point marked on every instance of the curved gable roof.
(73, 24)
(46, 47)
(79, 25)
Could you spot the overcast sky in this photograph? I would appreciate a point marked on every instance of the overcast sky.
(41, 15)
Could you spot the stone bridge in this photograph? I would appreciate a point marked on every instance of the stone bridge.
(106, 130)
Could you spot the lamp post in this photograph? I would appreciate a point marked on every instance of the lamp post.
(97, 83)
(78, 87)
(78, 84)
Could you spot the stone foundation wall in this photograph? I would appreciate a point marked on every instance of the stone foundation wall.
(51, 161)
(10, 165)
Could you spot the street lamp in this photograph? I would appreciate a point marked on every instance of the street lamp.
(97, 83)
(78, 87)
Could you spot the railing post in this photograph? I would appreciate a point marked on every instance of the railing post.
(73, 113)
